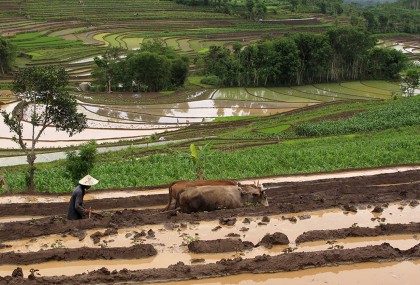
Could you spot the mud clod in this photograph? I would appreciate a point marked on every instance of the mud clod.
(140, 234)
(227, 221)
(219, 245)
(104, 270)
(246, 221)
(17, 273)
(80, 234)
(275, 239)
(197, 260)
(291, 219)
(377, 209)
(169, 226)
(350, 208)
(304, 217)
(150, 233)
(413, 203)
(265, 219)
(260, 258)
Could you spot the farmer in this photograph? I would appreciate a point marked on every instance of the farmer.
(76, 210)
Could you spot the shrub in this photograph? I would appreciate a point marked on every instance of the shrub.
(79, 164)
(211, 80)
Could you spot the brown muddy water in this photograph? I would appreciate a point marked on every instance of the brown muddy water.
(169, 239)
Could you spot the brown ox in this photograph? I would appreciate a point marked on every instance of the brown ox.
(176, 186)
(210, 198)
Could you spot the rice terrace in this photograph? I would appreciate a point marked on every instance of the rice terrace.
(209, 142)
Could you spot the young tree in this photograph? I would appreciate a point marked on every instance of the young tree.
(410, 81)
(45, 102)
(81, 163)
(7, 55)
(107, 66)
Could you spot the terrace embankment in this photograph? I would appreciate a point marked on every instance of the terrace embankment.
(226, 267)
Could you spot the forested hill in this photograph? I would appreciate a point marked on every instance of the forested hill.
(369, 2)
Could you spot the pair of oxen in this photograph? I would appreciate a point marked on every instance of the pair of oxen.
(210, 195)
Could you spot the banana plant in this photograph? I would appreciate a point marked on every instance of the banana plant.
(198, 156)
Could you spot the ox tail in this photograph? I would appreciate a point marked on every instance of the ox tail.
(170, 196)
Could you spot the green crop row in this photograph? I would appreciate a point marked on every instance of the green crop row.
(398, 113)
(389, 147)
(36, 39)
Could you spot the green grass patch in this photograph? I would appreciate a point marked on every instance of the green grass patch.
(389, 147)
(34, 40)
(232, 118)
(196, 80)
(167, 92)
(274, 130)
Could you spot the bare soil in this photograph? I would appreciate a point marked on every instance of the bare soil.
(83, 253)
(371, 192)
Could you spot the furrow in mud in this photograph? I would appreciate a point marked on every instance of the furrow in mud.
(287, 196)
(227, 267)
(60, 208)
(381, 230)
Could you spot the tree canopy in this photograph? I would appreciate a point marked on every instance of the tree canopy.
(342, 53)
(44, 103)
(7, 55)
(154, 67)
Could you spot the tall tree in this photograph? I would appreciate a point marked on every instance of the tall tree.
(385, 63)
(151, 70)
(350, 46)
(286, 61)
(44, 103)
(7, 55)
(107, 66)
(314, 56)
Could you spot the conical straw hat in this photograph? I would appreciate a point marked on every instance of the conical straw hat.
(88, 181)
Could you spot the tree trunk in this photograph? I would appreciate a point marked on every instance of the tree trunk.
(109, 86)
(3, 181)
(31, 179)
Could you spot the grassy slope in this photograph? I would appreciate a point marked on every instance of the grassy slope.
(293, 154)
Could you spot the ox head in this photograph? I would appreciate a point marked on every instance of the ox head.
(253, 194)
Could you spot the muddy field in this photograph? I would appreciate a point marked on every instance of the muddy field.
(367, 224)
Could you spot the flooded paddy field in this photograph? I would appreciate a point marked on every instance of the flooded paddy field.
(318, 228)
(114, 122)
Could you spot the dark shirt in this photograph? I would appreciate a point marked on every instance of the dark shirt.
(76, 210)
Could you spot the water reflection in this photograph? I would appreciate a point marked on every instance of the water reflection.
(111, 122)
